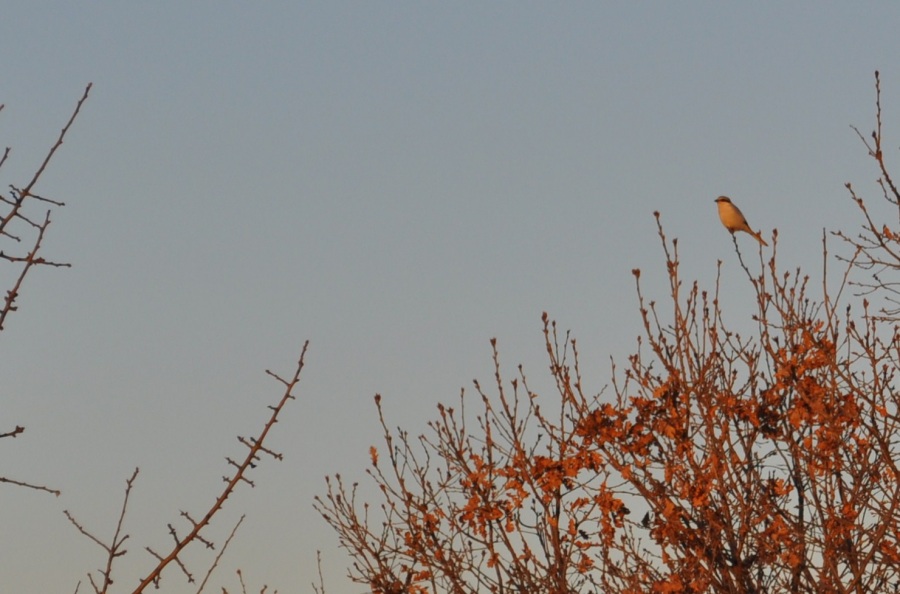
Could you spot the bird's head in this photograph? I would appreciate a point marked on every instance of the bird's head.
(721, 199)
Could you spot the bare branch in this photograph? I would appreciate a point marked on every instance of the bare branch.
(19, 198)
(219, 556)
(237, 477)
(114, 549)
(30, 486)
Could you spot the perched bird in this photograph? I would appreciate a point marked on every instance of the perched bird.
(733, 218)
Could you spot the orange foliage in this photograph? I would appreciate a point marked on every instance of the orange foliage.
(717, 464)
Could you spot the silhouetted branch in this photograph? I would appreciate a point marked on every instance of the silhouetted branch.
(114, 549)
(215, 562)
(18, 199)
(239, 476)
(30, 486)
(876, 249)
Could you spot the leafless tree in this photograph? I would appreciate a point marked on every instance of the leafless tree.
(25, 217)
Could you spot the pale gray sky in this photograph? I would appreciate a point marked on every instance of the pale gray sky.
(395, 182)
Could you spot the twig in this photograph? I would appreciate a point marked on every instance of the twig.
(219, 556)
(19, 429)
(30, 486)
(113, 550)
(26, 191)
(320, 588)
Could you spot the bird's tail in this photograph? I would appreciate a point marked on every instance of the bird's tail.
(759, 238)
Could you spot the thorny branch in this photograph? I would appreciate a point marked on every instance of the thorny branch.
(16, 202)
(255, 447)
(12, 211)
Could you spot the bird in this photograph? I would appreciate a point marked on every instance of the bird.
(733, 219)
